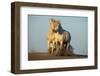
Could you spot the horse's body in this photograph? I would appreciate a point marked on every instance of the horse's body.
(58, 39)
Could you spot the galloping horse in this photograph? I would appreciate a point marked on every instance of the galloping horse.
(58, 39)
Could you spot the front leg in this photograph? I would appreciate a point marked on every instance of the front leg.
(48, 44)
(49, 49)
(61, 44)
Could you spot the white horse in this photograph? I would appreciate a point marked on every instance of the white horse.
(57, 36)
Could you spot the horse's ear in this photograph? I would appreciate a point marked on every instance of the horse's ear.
(51, 20)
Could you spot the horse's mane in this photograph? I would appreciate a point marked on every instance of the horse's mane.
(61, 30)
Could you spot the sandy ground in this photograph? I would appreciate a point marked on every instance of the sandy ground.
(45, 56)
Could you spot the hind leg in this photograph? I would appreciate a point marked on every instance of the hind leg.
(67, 46)
(66, 49)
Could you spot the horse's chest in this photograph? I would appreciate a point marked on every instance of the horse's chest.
(52, 36)
(59, 37)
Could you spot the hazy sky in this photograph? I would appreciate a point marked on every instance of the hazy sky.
(38, 28)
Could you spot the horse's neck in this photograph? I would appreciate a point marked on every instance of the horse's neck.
(51, 31)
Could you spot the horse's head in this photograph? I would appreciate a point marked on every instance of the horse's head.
(54, 24)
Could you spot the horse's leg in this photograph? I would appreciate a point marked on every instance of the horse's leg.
(53, 46)
(68, 44)
(69, 49)
(59, 50)
(48, 43)
(49, 49)
(66, 48)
